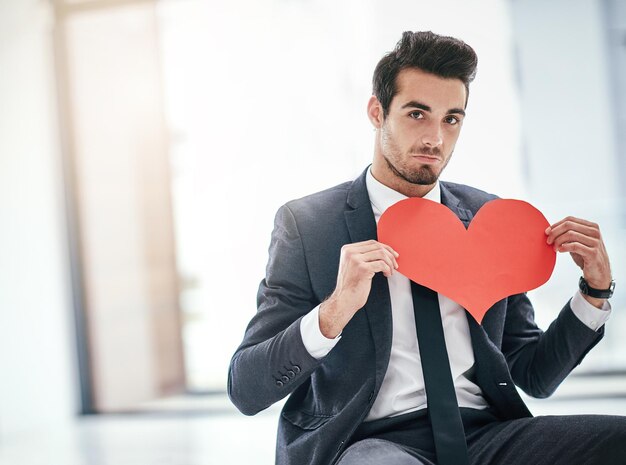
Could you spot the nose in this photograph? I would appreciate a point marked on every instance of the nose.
(432, 136)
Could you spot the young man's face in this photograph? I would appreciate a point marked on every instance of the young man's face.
(415, 141)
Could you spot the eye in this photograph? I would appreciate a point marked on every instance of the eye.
(450, 119)
(416, 114)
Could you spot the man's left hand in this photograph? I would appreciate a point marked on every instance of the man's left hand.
(582, 239)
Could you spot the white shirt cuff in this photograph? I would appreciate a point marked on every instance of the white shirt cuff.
(593, 317)
(314, 341)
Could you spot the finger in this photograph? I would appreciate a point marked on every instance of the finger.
(367, 246)
(393, 254)
(574, 219)
(571, 219)
(575, 236)
(576, 247)
(371, 245)
(592, 257)
(380, 254)
(396, 254)
(562, 228)
(361, 247)
(379, 266)
(388, 251)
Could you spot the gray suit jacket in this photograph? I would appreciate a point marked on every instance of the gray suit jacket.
(330, 397)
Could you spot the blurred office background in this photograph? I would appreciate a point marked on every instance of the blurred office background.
(145, 146)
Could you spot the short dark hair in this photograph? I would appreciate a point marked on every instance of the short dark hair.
(442, 56)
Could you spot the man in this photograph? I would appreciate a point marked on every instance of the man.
(344, 334)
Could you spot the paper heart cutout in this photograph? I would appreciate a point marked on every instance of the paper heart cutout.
(502, 252)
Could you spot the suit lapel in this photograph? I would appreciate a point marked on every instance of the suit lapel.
(362, 227)
(453, 203)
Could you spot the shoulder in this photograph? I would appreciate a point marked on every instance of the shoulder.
(325, 202)
(318, 215)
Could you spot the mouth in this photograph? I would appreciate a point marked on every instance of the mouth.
(428, 159)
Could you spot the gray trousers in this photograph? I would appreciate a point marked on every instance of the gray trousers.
(548, 440)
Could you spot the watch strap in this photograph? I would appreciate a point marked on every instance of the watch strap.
(586, 289)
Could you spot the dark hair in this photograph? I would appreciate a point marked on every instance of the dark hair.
(442, 56)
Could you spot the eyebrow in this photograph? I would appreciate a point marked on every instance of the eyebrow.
(422, 106)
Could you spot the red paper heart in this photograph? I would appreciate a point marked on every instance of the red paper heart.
(503, 252)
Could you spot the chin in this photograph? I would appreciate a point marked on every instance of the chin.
(423, 177)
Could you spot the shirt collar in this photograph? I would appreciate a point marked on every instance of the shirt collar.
(383, 197)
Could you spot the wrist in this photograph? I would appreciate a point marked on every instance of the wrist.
(332, 319)
(600, 284)
(597, 292)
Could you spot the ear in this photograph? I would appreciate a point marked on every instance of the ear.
(375, 112)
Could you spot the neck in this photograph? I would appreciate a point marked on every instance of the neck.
(384, 175)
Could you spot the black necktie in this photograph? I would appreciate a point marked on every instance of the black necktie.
(443, 409)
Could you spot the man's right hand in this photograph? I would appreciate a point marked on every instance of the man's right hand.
(358, 264)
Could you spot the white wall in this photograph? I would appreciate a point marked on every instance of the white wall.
(568, 115)
(266, 102)
(37, 372)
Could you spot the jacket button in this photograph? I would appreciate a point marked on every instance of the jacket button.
(284, 378)
(279, 383)
(291, 373)
(296, 368)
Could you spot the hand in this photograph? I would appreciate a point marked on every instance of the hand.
(582, 239)
(358, 264)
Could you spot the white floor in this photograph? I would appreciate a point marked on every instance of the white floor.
(169, 438)
(185, 432)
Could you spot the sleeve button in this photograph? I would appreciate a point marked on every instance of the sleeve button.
(284, 378)
(296, 368)
(291, 373)
(279, 383)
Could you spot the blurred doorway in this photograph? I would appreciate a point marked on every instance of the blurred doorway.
(118, 192)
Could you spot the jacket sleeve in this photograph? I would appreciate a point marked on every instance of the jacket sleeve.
(539, 361)
(272, 361)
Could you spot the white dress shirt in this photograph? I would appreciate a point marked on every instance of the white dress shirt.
(403, 388)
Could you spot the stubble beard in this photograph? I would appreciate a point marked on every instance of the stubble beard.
(423, 176)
